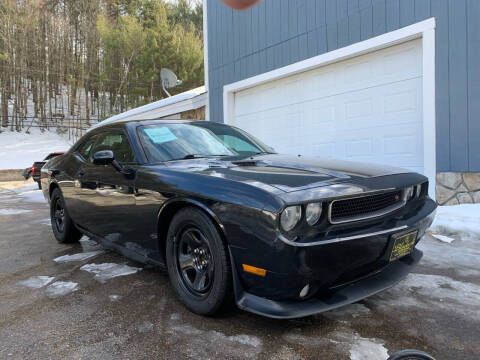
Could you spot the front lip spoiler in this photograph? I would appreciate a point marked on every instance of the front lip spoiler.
(338, 297)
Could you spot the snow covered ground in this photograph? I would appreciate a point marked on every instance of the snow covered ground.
(443, 287)
(463, 218)
(19, 150)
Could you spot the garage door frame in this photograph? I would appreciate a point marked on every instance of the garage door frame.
(424, 30)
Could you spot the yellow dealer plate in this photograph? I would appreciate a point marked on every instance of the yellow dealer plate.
(403, 245)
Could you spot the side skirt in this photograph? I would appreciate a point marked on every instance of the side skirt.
(128, 253)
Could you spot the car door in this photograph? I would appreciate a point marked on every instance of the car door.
(108, 193)
(76, 192)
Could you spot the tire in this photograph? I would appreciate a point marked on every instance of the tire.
(198, 263)
(410, 355)
(62, 225)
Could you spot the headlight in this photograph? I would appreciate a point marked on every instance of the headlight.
(409, 193)
(418, 190)
(290, 217)
(313, 213)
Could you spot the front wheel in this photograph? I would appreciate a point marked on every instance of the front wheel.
(62, 225)
(198, 264)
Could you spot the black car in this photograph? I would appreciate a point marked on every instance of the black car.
(283, 236)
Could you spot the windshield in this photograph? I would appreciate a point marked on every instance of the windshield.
(235, 139)
(165, 142)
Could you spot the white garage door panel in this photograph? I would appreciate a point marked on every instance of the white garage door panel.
(368, 108)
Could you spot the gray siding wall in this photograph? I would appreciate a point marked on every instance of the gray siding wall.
(276, 33)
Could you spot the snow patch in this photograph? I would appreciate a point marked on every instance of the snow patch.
(114, 298)
(443, 238)
(46, 221)
(346, 313)
(89, 244)
(463, 218)
(367, 349)
(20, 150)
(199, 343)
(358, 347)
(61, 288)
(246, 339)
(461, 256)
(36, 282)
(296, 337)
(29, 193)
(33, 196)
(106, 271)
(13, 211)
(77, 257)
(432, 291)
(145, 327)
(175, 316)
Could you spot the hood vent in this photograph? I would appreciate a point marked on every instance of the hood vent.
(245, 163)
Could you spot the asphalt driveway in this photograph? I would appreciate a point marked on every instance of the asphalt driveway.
(79, 301)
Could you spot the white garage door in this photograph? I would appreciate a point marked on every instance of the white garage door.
(368, 108)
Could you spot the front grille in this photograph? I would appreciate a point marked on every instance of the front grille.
(364, 207)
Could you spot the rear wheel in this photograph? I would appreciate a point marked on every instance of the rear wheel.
(62, 225)
(197, 262)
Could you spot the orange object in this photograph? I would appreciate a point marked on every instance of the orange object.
(254, 270)
(240, 4)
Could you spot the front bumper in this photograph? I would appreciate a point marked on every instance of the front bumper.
(334, 298)
(342, 267)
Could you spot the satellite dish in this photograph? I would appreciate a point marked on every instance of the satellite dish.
(169, 79)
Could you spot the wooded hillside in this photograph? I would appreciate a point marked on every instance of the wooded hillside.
(71, 62)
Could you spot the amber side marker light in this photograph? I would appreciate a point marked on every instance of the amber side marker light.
(254, 270)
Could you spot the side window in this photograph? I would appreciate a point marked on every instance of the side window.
(85, 149)
(117, 141)
(237, 144)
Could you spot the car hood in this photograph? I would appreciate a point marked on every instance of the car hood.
(285, 173)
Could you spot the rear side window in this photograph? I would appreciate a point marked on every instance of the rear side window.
(85, 149)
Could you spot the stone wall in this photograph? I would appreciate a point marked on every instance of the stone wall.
(457, 188)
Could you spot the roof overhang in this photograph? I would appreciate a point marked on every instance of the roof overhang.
(188, 100)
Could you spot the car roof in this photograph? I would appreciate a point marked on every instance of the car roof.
(143, 122)
(138, 122)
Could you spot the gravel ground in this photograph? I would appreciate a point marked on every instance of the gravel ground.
(81, 302)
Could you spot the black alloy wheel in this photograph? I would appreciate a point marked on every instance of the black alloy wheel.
(58, 218)
(198, 263)
(194, 260)
(62, 225)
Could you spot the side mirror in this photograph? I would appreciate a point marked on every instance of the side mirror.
(104, 157)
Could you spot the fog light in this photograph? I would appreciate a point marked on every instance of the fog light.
(304, 291)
